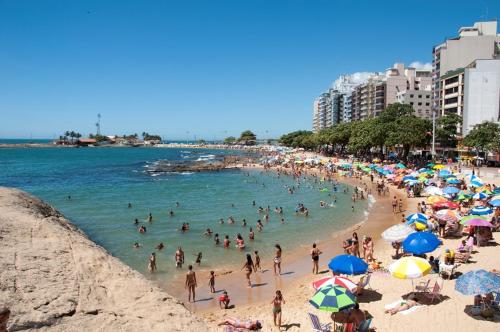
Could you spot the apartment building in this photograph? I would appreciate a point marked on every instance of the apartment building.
(480, 41)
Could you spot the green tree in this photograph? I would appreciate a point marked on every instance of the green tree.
(229, 140)
(409, 132)
(446, 131)
(484, 137)
(248, 138)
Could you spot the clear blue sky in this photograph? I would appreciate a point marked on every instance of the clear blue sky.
(206, 67)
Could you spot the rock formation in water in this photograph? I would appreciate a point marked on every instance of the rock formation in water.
(52, 277)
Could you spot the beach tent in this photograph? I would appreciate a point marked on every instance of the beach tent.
(478, 282)
(397, 233)
(333, 298)
(421, 243)
(348, 264)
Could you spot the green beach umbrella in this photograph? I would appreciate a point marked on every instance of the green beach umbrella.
(333, 298)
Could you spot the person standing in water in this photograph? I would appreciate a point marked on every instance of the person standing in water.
(277, 259)
(191, 283)
(248, 267)
(152, 263)
(277, 302)
(150, 217)
(179, 258)
(315, 252)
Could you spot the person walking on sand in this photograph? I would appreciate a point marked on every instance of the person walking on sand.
(152, 263)
(248, 267)
(315, 252)
(355, 245)
(277, 259)
(277, 302)
(191, 283)
(394, 204)
(400, 205)
(257, 261)
(179, 258)
(211, 282)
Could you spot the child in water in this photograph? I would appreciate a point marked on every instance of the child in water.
(198, 258)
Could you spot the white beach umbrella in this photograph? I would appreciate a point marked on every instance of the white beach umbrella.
(397, 233)
(432, 190)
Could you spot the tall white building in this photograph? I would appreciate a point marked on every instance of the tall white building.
(480, 41)
(481, 93)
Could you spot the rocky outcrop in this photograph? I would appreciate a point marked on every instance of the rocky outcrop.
(52, 277)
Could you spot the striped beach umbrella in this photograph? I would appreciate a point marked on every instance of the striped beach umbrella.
(335, 281)
(417, 217)
(333, 299)
(495, 202)
(480, 196)
(453, 181)
(410, 267)
(481, 210)
(397, 233)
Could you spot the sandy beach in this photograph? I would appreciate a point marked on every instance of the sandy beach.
(438, 316)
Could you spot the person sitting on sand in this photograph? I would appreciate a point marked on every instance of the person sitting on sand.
(356, 316)
(224, 300)
(410, 302)
(434, 263)
(252, 325)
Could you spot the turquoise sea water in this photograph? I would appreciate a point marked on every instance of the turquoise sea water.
(102, 181)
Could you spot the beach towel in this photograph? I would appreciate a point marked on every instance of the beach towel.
(405, 312)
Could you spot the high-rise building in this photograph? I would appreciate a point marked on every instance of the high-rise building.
(481, 90)
(480, 41)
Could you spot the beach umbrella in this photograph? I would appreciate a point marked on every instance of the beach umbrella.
(475, 181)
(418, 225)
(422, 170)
(447, 215)
(439, 166)
(496, 191)
(412, 182)
(470, 217)
(480, 196)
(436, 199)
(408, 177)
(453, 181)
(409, 267)
(348, 264)
(444, 173)
(463, 197)
(451, 190)
(338, 281)
(333, 299)
(477, 222)
(478, 282)
(481, 210)
(417, 217)
(397, 233)
(421, 243)
(495, 202)
(445, 205)
(433, 190)
(400, 166)
(431, 165)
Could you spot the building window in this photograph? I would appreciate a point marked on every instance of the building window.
(428, 96)
(419, 104)
(427, 104)
(411, 103)
(411, 96)
(419, 96)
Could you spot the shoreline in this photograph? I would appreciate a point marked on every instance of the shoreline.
(296, 261)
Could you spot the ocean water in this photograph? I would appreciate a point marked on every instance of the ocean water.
(102, 181)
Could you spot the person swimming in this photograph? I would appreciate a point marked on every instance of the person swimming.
(221, 221)
(136, 221)
(216, 239)
(259, 225)
(208, 232)
(129, 205)
(160, 246)
(171, 213)
(198, 258)
(137, 245)
(142, 229)
(244, 223)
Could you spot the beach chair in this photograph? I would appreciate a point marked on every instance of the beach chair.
(317, 326)
(435, 293)
(365, 326)
(463, 257)
(423, 286)
(495, 304)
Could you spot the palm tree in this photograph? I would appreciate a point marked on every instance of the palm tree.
(66, 134)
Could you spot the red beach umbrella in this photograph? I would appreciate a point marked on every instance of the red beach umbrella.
(446, 205)
(339, 281)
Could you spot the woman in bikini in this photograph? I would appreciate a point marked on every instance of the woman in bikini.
(277, 259)
(277, 301)
(248, 267)
(252, 325)
(315, 252)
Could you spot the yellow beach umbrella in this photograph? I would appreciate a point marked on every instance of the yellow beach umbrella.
(438, 166)
(420, 226)
(410, 267)
(435, 199)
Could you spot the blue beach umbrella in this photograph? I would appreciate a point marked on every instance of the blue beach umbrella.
(495, 202)
(408, 177)
(422, 170)
(481, 210)
(411, 182)
(400, 166)
(451, 190)
(421, 243)
(417, 217)
(453, 181)
(444, 173)
(478, 282)
(480, 196)
(348, 264)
